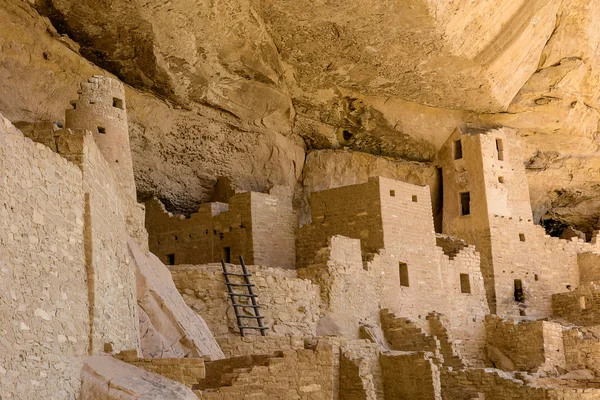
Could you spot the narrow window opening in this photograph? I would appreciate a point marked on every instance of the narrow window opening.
(227, 254)
(519, 296)
(392, 193)
(118, 103)
(501, 179)
(582, 304)
(500, 149)
(536, 277)
(465, 283)
(458, 154)
(171, 259)
(403, 274)
(102, 130)
(414, 198)
(176, 237)
(522, 237)
(465, 203)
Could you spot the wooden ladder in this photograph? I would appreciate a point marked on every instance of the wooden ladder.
(237, 307)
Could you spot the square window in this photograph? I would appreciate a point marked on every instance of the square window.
(501, 179)
(522, 237)
(392, 193)
(102, 130)
(117, 103)
(414, 198)
(403, 274)
(465, 283)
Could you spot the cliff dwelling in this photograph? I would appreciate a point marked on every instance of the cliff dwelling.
(298, 200)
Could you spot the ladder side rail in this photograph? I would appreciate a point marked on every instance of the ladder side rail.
(261, 326)
(231, 296)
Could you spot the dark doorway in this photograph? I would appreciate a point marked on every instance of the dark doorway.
(227, 254)
(519, 295)
(171, 259)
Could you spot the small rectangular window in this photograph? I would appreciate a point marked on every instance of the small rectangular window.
(403, 274)
(171, 259)
(102, 130)
(392, 193)
(414, 198)
(118, 103)
(519, 295)
(500, 149)
(522, 237)
(465, 283)
(458, 150)
(501, 179)
(536, 277)
(227, 254)
(465, 203)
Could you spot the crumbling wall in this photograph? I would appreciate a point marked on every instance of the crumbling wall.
(258, 226)
(344, 285)
(290, 305)
(579, 306)
(361, 375)
(410, 375)
(582, 349)
(43, 292)
(352, 211)
(188, 371)
(534, 346)
(295, 374)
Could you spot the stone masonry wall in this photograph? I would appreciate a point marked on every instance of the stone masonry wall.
(344, 285)
(410, 375)
(534, 346)
(582, 349)
(43, 292)
(297, 374)
(351, 211)
(258, 226)
(111, 277)
(579, 306)
(290, 305)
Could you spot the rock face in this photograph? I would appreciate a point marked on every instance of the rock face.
(106, 378)
(240, 88)
(168, 327)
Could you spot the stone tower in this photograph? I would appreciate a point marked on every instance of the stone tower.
(100, 109)
(484, 182)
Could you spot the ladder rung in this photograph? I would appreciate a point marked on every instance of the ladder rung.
(231, 274)
(251, 316)
(241, 284)
(254, 327)
(242, 295)
(246, 305)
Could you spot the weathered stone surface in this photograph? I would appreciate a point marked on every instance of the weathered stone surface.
(177, 152)
(169, 328)
(106, 378)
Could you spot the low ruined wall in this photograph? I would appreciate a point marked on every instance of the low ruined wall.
(296, 374)
(410, 375)
(582, 351)
(188, 371)
(43, 292)
(530, 345)
(579, 307)
(498, 385)
(290, 305)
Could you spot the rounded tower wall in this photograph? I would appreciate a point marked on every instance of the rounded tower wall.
(101, 109)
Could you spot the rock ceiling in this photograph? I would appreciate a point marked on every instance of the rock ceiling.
(245, 88)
